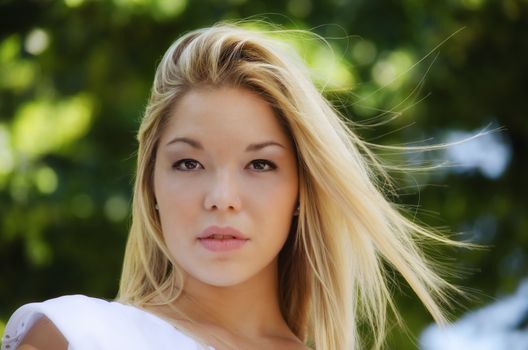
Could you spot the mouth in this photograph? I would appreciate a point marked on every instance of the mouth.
(222, 239)
(219, 237)
(221, 233)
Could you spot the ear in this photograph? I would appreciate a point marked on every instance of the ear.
(297, 210)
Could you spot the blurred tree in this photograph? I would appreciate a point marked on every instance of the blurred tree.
(75, 77)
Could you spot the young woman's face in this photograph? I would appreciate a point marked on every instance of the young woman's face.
(226, 184)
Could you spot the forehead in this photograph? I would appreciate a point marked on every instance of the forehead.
(227, 113)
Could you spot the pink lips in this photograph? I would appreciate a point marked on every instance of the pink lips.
(219, 239)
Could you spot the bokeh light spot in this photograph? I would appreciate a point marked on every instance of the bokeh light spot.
(331, 71)
(169, 8)
(489, 153)
(9, 48)
(364, 52)
(7, 161)
(473, 4)
(46, 180)
(17, 75)
(19, 187)
(82, 206)
(392, 70)
(38, 251)
(73, 3)
(37, 41)
(116, 208)
(43, 126)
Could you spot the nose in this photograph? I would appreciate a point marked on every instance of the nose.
(223, 193)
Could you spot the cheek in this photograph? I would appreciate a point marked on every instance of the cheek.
(179, 206)
(276, 204)
(173, 192)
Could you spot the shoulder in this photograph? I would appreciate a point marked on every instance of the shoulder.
(52, 322)
(43, 336)
(90, 323)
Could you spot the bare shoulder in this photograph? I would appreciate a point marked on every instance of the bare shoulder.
(43, 336)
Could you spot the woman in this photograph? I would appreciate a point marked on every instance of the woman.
(258, 222)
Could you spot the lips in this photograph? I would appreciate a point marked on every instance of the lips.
(215, 236)
(222, 239)
(216, 232)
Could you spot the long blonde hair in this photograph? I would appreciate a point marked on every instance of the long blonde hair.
(333, 267)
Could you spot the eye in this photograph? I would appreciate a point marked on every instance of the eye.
(262, 165)
(186, 165)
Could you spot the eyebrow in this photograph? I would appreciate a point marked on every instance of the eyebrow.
(250, 148)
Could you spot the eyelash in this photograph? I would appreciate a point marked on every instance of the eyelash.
(271, 165)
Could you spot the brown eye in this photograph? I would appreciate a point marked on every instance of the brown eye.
(262, 165)
(186, 165)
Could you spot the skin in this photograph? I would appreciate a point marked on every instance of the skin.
(209, 177)
(44, 336)
(232, 297)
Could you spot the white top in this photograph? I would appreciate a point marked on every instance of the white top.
(91, 323)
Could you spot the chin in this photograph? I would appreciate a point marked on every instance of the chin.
(221, 280)
(218, 276)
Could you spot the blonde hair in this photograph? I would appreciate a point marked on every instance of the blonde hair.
(333, 268)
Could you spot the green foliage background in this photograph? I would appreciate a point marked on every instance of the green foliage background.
(74, 80)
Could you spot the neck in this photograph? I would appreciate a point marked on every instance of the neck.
(249, 308)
